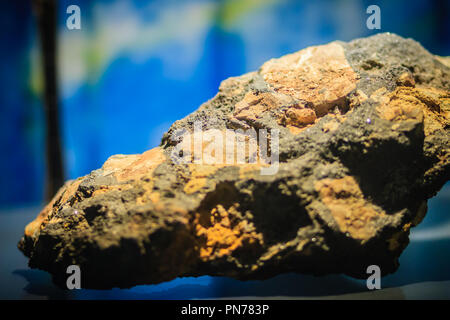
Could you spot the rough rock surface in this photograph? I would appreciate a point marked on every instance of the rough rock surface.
(363, 143)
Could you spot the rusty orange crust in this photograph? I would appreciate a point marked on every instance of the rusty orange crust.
(432, 106)
(300, 116)
(289, 113)
(254, 104)
(346, 203)
(133, 167)
(124, 168)
(320, 75)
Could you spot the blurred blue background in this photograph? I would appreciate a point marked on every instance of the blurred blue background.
(137, 66)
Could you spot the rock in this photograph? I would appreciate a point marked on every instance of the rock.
(361, 131)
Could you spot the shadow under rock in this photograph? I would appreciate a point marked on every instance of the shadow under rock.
(40, 284)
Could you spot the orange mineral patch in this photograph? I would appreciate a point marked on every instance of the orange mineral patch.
(352, 213)
(432, 106)
(223, 232)
(292, 114)
(300, 116)
(406, 79)
(320, 75)
(254, 104)
(133, 167)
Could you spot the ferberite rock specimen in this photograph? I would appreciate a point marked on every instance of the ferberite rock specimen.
(363, 143)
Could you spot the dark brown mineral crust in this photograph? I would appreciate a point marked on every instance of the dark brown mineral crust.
(363, 143)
